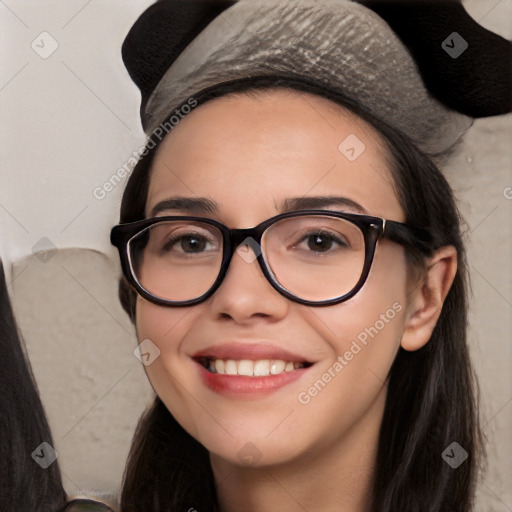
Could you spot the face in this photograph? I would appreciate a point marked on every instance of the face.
(249, 155)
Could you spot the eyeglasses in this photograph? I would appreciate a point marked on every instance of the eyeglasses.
(313, 257)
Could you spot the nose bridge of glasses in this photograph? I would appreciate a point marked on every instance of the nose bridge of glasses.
(246, 236)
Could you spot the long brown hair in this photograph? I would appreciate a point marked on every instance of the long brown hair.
(431, 399)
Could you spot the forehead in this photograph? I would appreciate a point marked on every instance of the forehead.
(250, 152)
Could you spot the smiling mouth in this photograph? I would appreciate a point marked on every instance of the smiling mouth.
(250, 368)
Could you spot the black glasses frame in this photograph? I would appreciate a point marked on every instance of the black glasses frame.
(373, 228)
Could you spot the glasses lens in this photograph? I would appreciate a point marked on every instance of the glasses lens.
(176, 260)
(315, 257)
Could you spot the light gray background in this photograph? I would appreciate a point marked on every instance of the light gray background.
(69, 121)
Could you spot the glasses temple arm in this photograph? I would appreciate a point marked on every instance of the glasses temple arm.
(408, 236)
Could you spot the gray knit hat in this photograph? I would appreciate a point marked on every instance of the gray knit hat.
(340, 45)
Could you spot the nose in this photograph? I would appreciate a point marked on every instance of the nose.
(245, 293)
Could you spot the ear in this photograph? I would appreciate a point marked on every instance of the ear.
(427, 298)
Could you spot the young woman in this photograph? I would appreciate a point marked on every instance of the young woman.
(294, 267)
(372, 437)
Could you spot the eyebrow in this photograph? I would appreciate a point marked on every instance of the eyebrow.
(192, 205)
(203, 205)
(314, 202)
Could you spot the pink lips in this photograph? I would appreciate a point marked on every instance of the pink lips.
(242, 386)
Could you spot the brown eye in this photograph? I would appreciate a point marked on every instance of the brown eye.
(187, 243)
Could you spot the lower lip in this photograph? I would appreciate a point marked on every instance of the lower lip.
(236, 385)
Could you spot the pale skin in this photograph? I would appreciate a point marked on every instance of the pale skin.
(248, 154)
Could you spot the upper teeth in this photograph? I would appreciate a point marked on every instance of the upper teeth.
(249, 368)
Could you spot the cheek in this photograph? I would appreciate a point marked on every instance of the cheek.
(165, 328)
(154, 325)
(363, 335)
(364, 332)
(376, 310)
(156, 322)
